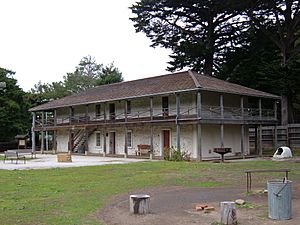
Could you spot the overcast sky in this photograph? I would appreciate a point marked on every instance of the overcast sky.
(45, 39)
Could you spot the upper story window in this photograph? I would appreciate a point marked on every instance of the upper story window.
(165, 105)
(98, 110)
(128, 107)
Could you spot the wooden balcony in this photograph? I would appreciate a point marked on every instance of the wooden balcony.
(208, 113)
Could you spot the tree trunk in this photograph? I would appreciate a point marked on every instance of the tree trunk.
(228, 213)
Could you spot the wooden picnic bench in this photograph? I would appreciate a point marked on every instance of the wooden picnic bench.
(143, 150)
(249, 177)
(13, 155)
(18, 154)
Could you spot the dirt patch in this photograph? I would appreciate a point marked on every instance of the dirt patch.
(176, 205)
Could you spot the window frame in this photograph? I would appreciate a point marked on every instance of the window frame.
(98, 135)
(129, 145)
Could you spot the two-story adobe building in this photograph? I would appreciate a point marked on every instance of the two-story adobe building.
(189, 111)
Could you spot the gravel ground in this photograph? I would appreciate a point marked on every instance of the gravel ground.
(176, 206)
(47, 161)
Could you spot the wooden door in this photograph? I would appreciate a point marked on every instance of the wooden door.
(112, 111)
(166, 139)
(112, 142)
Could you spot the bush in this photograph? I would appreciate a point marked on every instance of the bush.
(174, 154)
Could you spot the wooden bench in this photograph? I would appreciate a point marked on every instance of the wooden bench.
(249, 177)
(13, 154)
(143, 150)
(24, 152)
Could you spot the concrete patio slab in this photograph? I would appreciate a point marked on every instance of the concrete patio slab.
(50, 161)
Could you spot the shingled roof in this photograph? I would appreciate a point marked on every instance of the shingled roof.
(170, 83)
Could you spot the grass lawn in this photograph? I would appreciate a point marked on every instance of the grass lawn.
(73, 195)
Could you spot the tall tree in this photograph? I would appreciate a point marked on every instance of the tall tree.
(284, 18)
(87, 74)
(14, 115)
(197, 32)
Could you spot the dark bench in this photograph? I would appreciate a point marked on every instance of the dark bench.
(24, 152)
(13, 155)
(143, 150)
(249, 177)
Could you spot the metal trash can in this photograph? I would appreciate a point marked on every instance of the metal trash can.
(280, 199)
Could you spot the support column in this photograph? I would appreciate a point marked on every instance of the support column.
(42, 133)
(33, 144)
(54, 150)
(71, 114)
(126, 130)
(260, 141)
(199, 127)
(242, 128)
(199, 141)
(151, 129)
(126, 144)
(177, 122)
(242, 140)
(256, 141)
(275, 137)
(104, 142)
(222, 117)
(86, 143)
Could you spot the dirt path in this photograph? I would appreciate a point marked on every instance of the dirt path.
(176, 205)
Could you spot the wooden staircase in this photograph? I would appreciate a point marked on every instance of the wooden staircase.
(80, 139)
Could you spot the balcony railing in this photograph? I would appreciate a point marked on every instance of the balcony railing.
(158, 114)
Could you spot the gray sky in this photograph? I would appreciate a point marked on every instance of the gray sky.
(45, 39)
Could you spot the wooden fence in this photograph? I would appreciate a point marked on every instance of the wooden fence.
(286, 136)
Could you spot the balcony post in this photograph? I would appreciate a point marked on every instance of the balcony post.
(125, 110)
(151, 108)
(222, 105)
(33, 144)
(260, 109)
(242, 107)
(55, 117)
(177, 121)
(199, 104)
(86, 113)
(275, 110)
(71, 112)
(104, 112)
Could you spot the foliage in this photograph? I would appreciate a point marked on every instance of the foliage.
(283, 17)
(174, 154)
(87, 74)
(14, 115)
(197, 32)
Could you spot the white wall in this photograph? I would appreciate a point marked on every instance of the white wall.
(62, 140)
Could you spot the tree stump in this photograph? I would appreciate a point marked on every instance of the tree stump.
(228, 213)
(64, 157)
(139, 204)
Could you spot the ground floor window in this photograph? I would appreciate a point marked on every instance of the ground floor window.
(98, 139)
(129, 139)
